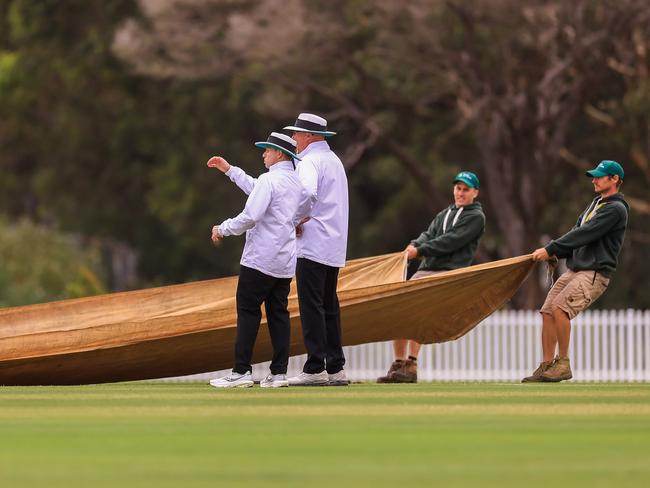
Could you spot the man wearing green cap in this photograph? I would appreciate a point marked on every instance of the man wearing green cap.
(591, 250)
(449, 243)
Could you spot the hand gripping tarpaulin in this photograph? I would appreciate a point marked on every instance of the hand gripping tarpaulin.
(190, 328)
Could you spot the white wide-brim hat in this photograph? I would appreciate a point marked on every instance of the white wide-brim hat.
(311, 123)
(281, 142)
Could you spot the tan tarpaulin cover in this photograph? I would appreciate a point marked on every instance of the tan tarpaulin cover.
(190, 328)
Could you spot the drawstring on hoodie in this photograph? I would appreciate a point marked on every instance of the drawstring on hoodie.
(590, 211)
(444, 223)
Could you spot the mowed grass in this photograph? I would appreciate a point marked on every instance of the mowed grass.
(471, 434)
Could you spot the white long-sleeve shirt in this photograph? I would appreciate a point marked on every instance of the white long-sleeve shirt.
(325, 202)
(267, 219)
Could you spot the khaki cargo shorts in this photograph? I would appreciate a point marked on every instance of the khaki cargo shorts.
(574, 291)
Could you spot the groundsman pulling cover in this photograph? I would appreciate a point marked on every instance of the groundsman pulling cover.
(186, 329)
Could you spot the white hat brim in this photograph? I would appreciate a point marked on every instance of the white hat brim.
(325, 133)
(275, 146)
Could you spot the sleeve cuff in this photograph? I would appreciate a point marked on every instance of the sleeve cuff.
(222, 230)
(551, 249)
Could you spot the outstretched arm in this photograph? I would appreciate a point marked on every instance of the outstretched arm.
(605, 218)
(237, 175)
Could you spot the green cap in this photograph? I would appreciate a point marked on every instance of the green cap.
(607, 168)
(469, 178)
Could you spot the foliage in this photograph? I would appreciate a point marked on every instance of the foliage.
(39, 265)
(110, 109)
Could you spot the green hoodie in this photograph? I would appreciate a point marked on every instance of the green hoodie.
(454, 248)
(594, 245)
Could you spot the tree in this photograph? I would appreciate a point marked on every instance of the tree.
(418, 86)
(38, 265)
(109, 111)
(90, 148)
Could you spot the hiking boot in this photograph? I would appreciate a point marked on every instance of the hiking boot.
(233, 380)
(408, 373)
(274, 381)
(310, 379)
(389, 376)
(536, 377)
(559, 371)
(338, 379)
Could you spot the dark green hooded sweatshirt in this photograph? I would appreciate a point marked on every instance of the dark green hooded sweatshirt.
(451, 245)
(596, 240)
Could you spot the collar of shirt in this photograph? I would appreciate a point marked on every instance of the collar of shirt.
(282, 165)
(314, 147)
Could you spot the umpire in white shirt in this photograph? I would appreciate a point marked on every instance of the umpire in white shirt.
(322, 229)
(269, 259)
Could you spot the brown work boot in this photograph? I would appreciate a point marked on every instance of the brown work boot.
(397, 364)
(536, 377)
(559, 371)
(408, 373)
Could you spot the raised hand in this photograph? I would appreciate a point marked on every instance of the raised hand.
(219, 163)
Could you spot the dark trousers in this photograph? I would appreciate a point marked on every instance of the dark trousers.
(253, 289)
(320, 316)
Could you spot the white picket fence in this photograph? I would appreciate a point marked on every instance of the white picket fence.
(609, 345)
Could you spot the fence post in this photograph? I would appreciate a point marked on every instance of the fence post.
(629, 326)
(646, 335)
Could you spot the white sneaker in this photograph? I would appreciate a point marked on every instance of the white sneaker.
(338, 379)
(274, 381)
(234, 380)
(307, 379)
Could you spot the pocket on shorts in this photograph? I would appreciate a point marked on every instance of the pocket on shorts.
(600, 285)
(585, 293)
(579, 299)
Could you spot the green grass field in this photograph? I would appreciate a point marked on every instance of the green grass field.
(156, 434)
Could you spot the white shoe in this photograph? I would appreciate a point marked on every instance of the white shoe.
(274, 381)
(234, 380)
(307, 379)
(338, 379)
